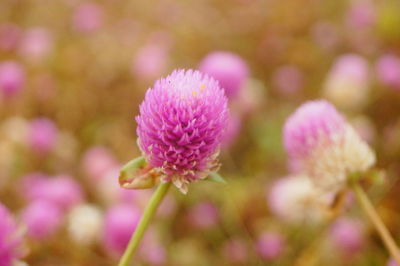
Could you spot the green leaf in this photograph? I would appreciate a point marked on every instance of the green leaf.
(134, 175)
(215, 177)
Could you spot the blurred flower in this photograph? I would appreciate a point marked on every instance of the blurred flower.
(42, 219)
(361, 14)
(119, 224)
(88, 17)
(36, 44)
(288, 80)
(327, 147)
(10, 241)
(235, 251)
(9, 36)
(295, 200)
(232, 130)
(62, 190)
(180, 127)
(85, 224)
(348, 84)
(150, 61)
(12, 78)
(151, 251)
(42, 135)
(270, 245)
(347, 235)
(229, 69)
(392, 262)
(203, 215)
(97, 161)
(388, 71)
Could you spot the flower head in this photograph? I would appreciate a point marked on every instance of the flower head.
(84, 224)
(42, 219)
(229, 69)
(12, 78)
(119, 224)
(9, 238)
(295, 200)
(388, 71)
(180, 126)
(270, 245)
(42, 135)
(348, 83)
(324, 145)
(347, 235)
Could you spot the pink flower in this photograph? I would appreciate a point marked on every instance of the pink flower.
(10, 241)
(9, 36)
(324, 145)
(119, 225)
(42, 218)
(388, 71)
(42, 135)
(150, 61)
(181, 125)
(270, 245)
(12, 78)
(229, 69)
(348, 83)
(36, 44)
(88, 17)
(62, 191)
(97, 161)
(347, 235)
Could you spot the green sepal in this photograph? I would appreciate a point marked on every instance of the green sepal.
(215, 177)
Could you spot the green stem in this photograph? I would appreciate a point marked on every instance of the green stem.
(376, 221)
(144, 223)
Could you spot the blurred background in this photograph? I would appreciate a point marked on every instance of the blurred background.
(72, 76)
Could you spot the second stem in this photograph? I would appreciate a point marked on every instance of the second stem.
(376, 221)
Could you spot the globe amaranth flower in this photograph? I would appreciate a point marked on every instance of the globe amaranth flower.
(324, 145)
(229, 69)
(180, 126)
(10, 239)
(295, 200)
(347, 84)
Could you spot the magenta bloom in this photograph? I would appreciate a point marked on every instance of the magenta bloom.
(9, 239)
(119, 225)
(42, 135)
(347, 235)
(12, 78)
(97, 162)
(63, 190)
(311, 122)
(181, 123)
(88, 17)
(150, 61)
(229, 69)
(388, 71)
(270, 245)
(42, 219)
